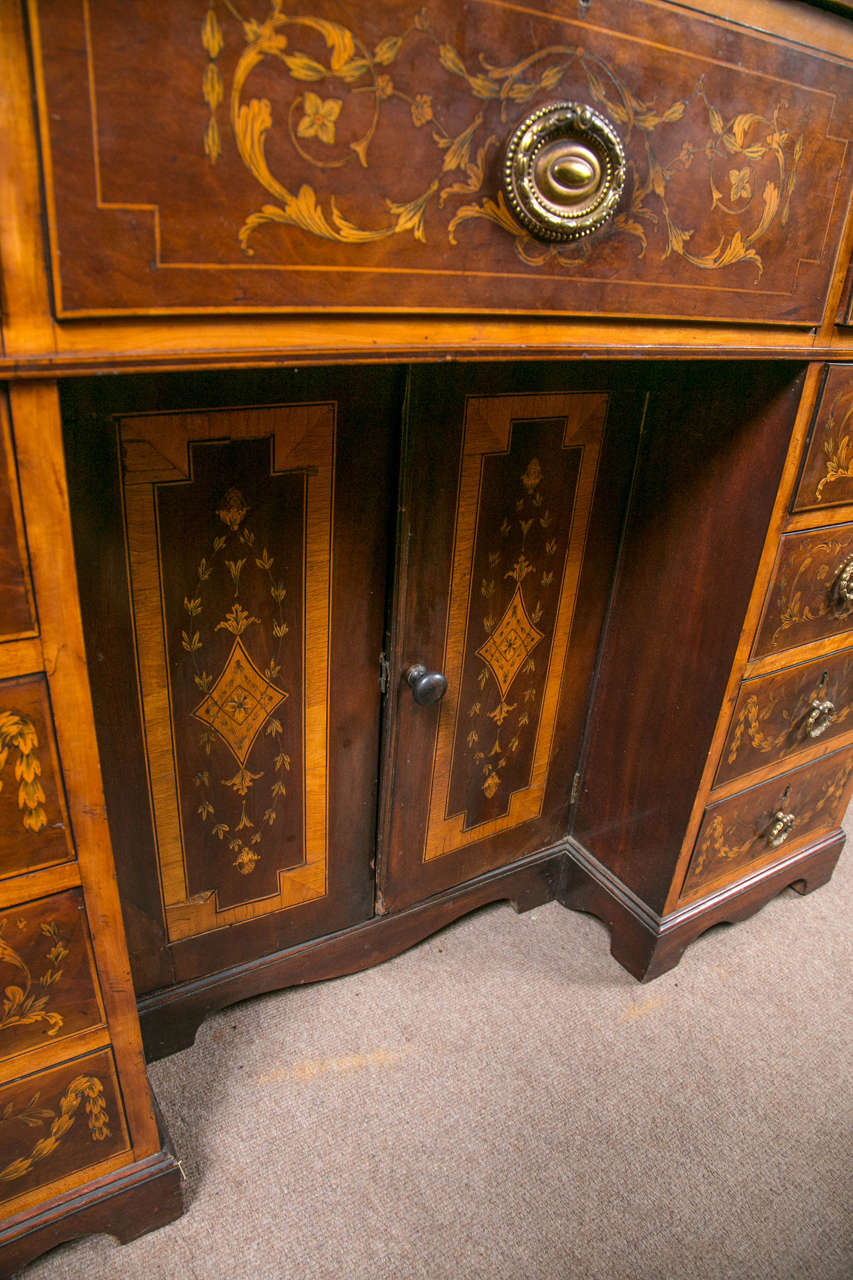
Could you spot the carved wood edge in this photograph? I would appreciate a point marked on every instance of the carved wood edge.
(171, 1017)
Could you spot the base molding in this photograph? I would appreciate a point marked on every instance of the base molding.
(171, 1017)
(126, 1204)
(648, 944)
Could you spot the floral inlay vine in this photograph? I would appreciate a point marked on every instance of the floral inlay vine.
(22, 1004)
(836, 445)
(752, 160)
(19, 732)
(504, 714)
(237, 704)
(33, 1116)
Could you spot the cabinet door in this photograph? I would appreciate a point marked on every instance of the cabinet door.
(234, 586)
(513, 492)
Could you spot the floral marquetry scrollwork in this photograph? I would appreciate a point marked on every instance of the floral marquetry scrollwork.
(705, 184)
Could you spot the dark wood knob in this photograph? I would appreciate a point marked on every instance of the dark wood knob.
(426, 686)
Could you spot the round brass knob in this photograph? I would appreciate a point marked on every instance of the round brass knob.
(427, 686)
(564, 170)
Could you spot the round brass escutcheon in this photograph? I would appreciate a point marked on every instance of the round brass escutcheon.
(564, 170)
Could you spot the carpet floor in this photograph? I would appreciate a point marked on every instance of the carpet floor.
(504, 1101)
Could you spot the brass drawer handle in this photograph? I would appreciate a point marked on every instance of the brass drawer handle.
(843, 590)
(564, 170)
(780, 828)
(822, 712)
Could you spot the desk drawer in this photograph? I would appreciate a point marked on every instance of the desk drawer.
(778, 715)
(768, 821)
(348, 156)
(34, 827)
(827, 475)
(66, 1123)
(811, 594)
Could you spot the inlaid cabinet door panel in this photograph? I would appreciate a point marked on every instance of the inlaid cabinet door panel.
(511, 511)
(255, 584)
(333, 154)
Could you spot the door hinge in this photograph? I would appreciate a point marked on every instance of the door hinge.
(576, 787)
(384, 672)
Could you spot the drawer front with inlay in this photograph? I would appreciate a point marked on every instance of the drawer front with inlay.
(811, 595)
(46, 974)
(778, 715)
(340, 155)
(768, 822)
(827, 476)
(67, 1123)
(34, 827)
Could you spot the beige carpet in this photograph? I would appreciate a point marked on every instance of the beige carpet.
(505, 1101)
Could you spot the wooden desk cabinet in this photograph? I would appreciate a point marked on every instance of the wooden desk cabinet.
(375, 553)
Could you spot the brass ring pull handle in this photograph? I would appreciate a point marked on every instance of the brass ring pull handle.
(843, 590)
(564, 170)
(427, 686)
(822, 712)
(780, 828)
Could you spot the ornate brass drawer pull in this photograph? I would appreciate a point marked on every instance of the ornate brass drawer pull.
(780, 828)
(822, 712)
(843, 590)
(564, 171)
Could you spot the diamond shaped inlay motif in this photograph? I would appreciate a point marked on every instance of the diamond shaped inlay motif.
(511, 642)
(240, 702)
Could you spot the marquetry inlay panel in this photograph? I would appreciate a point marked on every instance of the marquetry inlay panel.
(526, 480)
(788, 711)
(34, 826)
(738, 833)
(330, 154)
(46, 975)
(229, 548)
(808, 598)
(58, 1123)
(827, 477)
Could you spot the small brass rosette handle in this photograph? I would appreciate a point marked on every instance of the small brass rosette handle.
(781, 826)
(564, 170)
